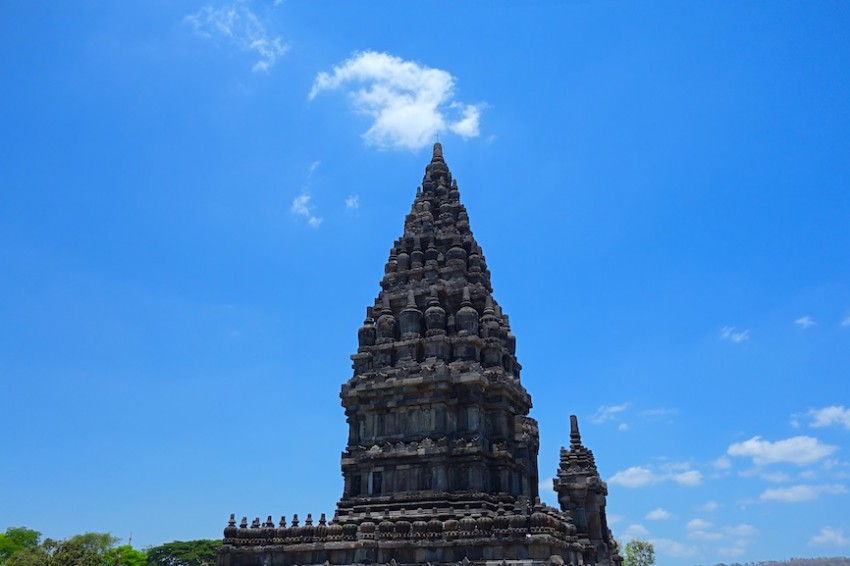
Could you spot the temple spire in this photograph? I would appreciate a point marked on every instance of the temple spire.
(437, 154)
(575, 435)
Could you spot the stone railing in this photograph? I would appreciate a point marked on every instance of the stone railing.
(504, 524)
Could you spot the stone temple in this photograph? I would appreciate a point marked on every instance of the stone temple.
(441, 462)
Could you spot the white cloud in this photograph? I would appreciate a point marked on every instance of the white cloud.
(672, 548)
(828, 416)
(237, 25)
(732, 334)
(830, 537)
(545, 485)
(736, 549)
(709, 507)
(658, 413)
(722, 463)
(797, 493)
(640, 476)
(691, 477)
(606, 413)
(636, 476)
(698, 525)
(846, 321)
(352, 202)
(771, 476)
(635, 530)
(409, 103)
(301, 207)
(704, 535)
(742, 530)
(622, 427)
(800, 450)
(658, 514)
(467, 126)
(805, 322)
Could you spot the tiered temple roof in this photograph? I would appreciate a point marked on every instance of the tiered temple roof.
(441, 460)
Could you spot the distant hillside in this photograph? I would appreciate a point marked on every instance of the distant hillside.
(834, 561)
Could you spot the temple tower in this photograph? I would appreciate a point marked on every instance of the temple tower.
(436, 410)
(440, 466)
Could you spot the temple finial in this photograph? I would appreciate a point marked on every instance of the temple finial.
(575, 436)
(438, 152)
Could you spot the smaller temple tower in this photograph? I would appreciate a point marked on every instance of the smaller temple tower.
(582, 494)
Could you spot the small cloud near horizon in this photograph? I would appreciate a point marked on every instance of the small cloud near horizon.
(805, 322)
(829, 536)
(641, 476)
(799, 493)
(799, 450)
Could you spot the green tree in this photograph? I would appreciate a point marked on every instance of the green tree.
(125, 555)
(15, 539)
(87, 549)
(201, 552)
(639, 553)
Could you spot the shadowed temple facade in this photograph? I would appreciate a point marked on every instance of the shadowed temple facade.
(441, 461)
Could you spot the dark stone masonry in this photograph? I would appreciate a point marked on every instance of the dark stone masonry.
(441, 462)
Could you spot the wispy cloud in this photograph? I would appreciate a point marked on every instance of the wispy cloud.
(709, 507)
(829, 416)
(805, 322)
(672, 548)
(409, 103)
(607, 413)
(659, 413)
(658, 515)
(846, 321)
(830, 537)
(635, 530)
(302, 205)
(698, 525)
(734, 538)
(765, 474)
(641, 476)
(734, 335)
(803, 492)
(352, 203)
(799, 450)
(236, 25)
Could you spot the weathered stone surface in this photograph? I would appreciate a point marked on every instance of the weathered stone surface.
(441, 461)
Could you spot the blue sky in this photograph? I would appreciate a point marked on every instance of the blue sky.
(198, 200)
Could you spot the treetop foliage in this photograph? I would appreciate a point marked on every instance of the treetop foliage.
(639, 553)
(20, 546)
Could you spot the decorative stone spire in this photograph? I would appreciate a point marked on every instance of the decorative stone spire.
(575, 436)
(582, 493)
(445, 341)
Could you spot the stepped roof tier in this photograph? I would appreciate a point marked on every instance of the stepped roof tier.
(441, 461)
